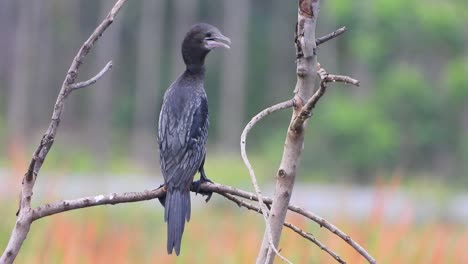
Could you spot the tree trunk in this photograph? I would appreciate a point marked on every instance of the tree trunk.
(236, 21)
(147, 88)
(305, 87)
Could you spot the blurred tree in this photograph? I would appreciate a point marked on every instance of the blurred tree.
(457, 107)
(407, 102)
(232, 88)
(72, 34)
(281, 54)
(20, 76)
(100, 130)
(413, 80)
(39, 97)
(147, 90)
(7, 26)
(184, 14)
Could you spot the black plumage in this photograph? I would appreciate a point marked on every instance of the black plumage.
(183, 129)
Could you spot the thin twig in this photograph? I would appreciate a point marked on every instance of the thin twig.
(294, 228)
(324, 79)
(330, 36)
(93, 80)
(315, 241)
(341, 78)
(335, 230)
(243, 143)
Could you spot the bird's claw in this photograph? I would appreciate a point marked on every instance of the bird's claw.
(162, 199)
(197, 188)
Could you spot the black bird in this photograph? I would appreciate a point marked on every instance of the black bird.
(183, 129)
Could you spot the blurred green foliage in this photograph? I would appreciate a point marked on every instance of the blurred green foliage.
(409, 113)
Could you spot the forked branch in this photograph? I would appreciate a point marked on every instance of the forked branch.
(93, 80)
(24, 215)
(325, 78)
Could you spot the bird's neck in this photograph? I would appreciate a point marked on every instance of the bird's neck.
(196, 69)
(194, 59)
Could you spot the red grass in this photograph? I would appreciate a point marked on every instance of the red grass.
(232, 235)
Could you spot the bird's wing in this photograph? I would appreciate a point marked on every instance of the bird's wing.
(182, 138)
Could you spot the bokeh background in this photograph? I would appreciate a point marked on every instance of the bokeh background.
(386, 162)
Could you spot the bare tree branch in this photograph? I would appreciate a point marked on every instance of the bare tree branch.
(294, 228)
(327, 78)
(24, 219)
(129, 197)
(243, 143)
(306, 111)
(230, 193)
(335, 230)
(226, 191)
(330, 36)
(222, 189)
(93, 80)
(314, 240)
(112, 199)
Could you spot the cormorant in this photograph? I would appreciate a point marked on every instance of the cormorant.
(183, 129)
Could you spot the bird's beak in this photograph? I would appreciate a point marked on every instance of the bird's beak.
(219, 41)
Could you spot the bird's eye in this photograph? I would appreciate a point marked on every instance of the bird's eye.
(208, 35)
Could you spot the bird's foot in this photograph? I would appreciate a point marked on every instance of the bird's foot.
(197, 187)
(203, 178)
(162, 199)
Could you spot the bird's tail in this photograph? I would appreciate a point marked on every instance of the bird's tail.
(177, 210)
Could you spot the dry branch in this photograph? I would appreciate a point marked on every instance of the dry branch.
(294, 228)
(306, 111)
(93, 80)
(213, 187)
(314, 240)
(245, 158)
(227, 191)
(24, 219)
(335, 230)
(330, 36)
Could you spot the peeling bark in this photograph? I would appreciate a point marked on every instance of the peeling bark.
(306, 85)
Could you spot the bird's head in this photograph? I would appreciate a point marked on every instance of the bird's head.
(199, 40)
